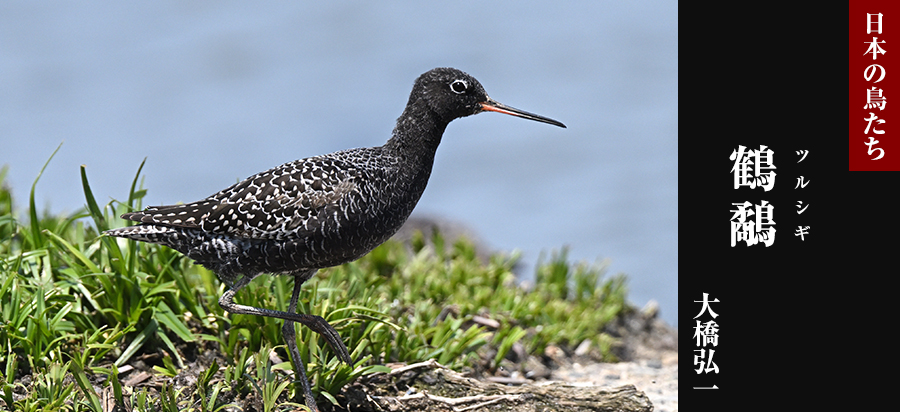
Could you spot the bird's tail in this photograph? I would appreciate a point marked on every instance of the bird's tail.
(144, 233)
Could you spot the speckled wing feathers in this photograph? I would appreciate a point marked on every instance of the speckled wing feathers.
(279, 203)
(312, 213)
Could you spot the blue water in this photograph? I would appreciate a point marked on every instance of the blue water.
(212, 92)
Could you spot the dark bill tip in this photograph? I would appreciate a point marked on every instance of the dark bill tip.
(494, 106)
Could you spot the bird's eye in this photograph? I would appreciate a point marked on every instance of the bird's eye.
(459, 86)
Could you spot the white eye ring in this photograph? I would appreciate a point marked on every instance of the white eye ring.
(459, 86)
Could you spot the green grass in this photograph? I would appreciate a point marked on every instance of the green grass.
(74, 303)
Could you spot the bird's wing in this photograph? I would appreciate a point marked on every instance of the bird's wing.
(283, 202)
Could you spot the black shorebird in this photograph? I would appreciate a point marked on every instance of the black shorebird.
(318, 212)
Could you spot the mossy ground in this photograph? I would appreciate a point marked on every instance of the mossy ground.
(89, 322)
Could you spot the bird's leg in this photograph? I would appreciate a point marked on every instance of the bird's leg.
(316, 323)
(289, 334)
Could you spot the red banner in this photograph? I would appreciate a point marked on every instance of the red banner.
(874, 79)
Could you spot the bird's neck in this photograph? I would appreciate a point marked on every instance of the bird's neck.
(417, 135)
(414, 142)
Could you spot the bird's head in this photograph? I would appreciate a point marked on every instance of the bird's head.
(452, 93)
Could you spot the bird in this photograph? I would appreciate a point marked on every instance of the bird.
(320, 211)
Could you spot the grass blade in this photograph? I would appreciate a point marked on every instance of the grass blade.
(138, 341)
(96, 214)
(37, 237)
(132, 195)
(84, 384)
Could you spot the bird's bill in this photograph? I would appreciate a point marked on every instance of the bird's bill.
(493, 106)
